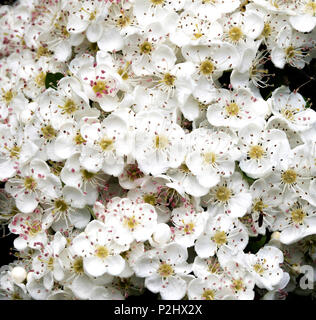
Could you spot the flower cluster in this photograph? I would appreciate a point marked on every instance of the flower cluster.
(126, 163)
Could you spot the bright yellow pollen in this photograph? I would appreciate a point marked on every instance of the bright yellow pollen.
(145, 48)
(122, 73)
(50, 263)
(235, 34)
(40, 79)
(48, 132)
(157, 2)
(15, 152)
(69, 107)
(238, 284)
(207, 67)
(288, 114)
(184, 168)
(79, 139)
(92, 15)
(161, 142)
(266, 32)
(256, 152)
(8, 96)
(223, 194)
(30, 183)
(210, 157)
(258, 268)
(189, 228)
(106, 144)
(123, 21)
(165, 270)
(100, 87)
(168, 79)
(61, 205)
(259, 206)
(42, 51)
(290, 52)
(208, 294)
(35, 228)
(131, 222)
(101, 252)
(289, 176)
(232, 109)
(298, 216)
(220, 238)
(310, 7)
(78, 266)
(150, 198)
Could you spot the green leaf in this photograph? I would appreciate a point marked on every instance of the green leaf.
(52, 79)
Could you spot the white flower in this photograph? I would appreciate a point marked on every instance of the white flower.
(164, 270)
(264, 266)
(159, 143)
(210, 156)
(261, 149)
(236, 109)
(296, 222)
(99, 252)
(230, 196)
(189, 224)
(209, 288)
(131, 220)
(291, 107)
(221, 232)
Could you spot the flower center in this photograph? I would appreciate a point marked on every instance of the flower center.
(210, 157)
(79, 139)
(157, 2)
(220, 238)
(259, 206)
(258, 268)
(133, 172)
(223, 194)
(42, 51)
(150, 198)
(207, 67)
(266, 32)
(256, 152)
(189, 228)
(48, 132)
(40, 79)
(78, 266)
(290, 52)
(101, 252)
(106, 144)
(208, 294)
(289, 176)
(288, 114)
(87, 175)
(238, 284)
(30, 183)
(61, 205)
(100, 88)
(161, 142)
(69, 107)
(165, 270)
(8, 96)
(131, 222)
(35, 228)
(145, 48)
(123, 21)
(298, 216)
(235, 34)
(310, 7)
(232, 109)
(168, 79)
(15, 152)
